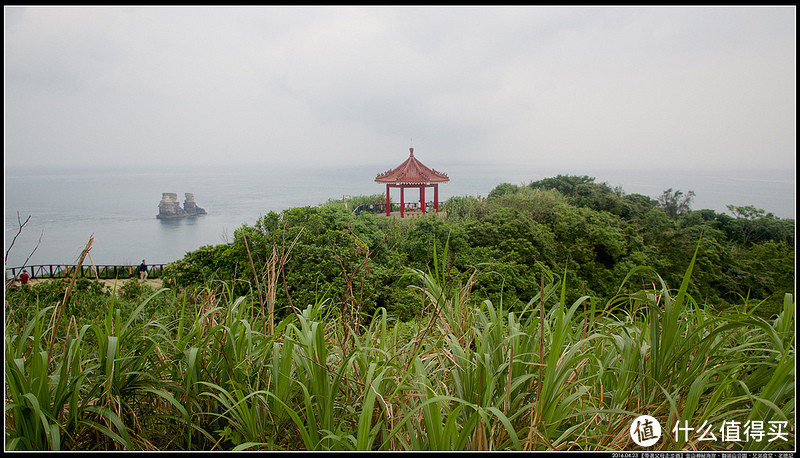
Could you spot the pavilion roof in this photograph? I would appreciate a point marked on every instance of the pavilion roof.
(412, 171)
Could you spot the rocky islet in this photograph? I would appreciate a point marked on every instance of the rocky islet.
(169, 207)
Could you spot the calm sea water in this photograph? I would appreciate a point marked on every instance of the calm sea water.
(119, 206)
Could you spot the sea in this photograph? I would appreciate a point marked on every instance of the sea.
(50, 214)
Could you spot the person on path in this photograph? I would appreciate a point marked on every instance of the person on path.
(24, 277)
(143, 270)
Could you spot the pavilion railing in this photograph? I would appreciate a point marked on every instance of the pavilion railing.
(103, 272)
(395, 206)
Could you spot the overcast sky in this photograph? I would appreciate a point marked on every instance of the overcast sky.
(656, 86)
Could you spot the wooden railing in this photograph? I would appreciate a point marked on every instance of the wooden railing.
(103, 272)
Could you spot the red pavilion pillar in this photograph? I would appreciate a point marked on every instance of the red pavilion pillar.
(388, 205)
(402, 202)
(436, 198)
(422, 198)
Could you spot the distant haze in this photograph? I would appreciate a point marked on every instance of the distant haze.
(549, 87)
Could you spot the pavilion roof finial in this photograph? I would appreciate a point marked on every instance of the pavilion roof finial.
(411, 150)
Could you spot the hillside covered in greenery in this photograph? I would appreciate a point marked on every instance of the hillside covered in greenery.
(504, 243)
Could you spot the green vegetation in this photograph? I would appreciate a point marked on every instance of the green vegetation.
(544, 317)
(596, 233)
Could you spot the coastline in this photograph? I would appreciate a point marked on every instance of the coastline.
(126, 230)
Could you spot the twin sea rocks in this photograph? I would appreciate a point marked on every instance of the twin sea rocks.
(169, 207)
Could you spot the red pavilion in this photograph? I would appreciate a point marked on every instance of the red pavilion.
(412, 174)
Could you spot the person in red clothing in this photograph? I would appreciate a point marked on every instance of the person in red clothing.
(24, 277)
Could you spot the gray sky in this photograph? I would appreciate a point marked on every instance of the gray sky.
(659, 86)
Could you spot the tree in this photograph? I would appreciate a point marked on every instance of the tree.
(675, 203)
(754, 224)
(748, 212)
(503, 189)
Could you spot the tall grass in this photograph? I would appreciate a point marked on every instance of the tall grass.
(552, 374)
